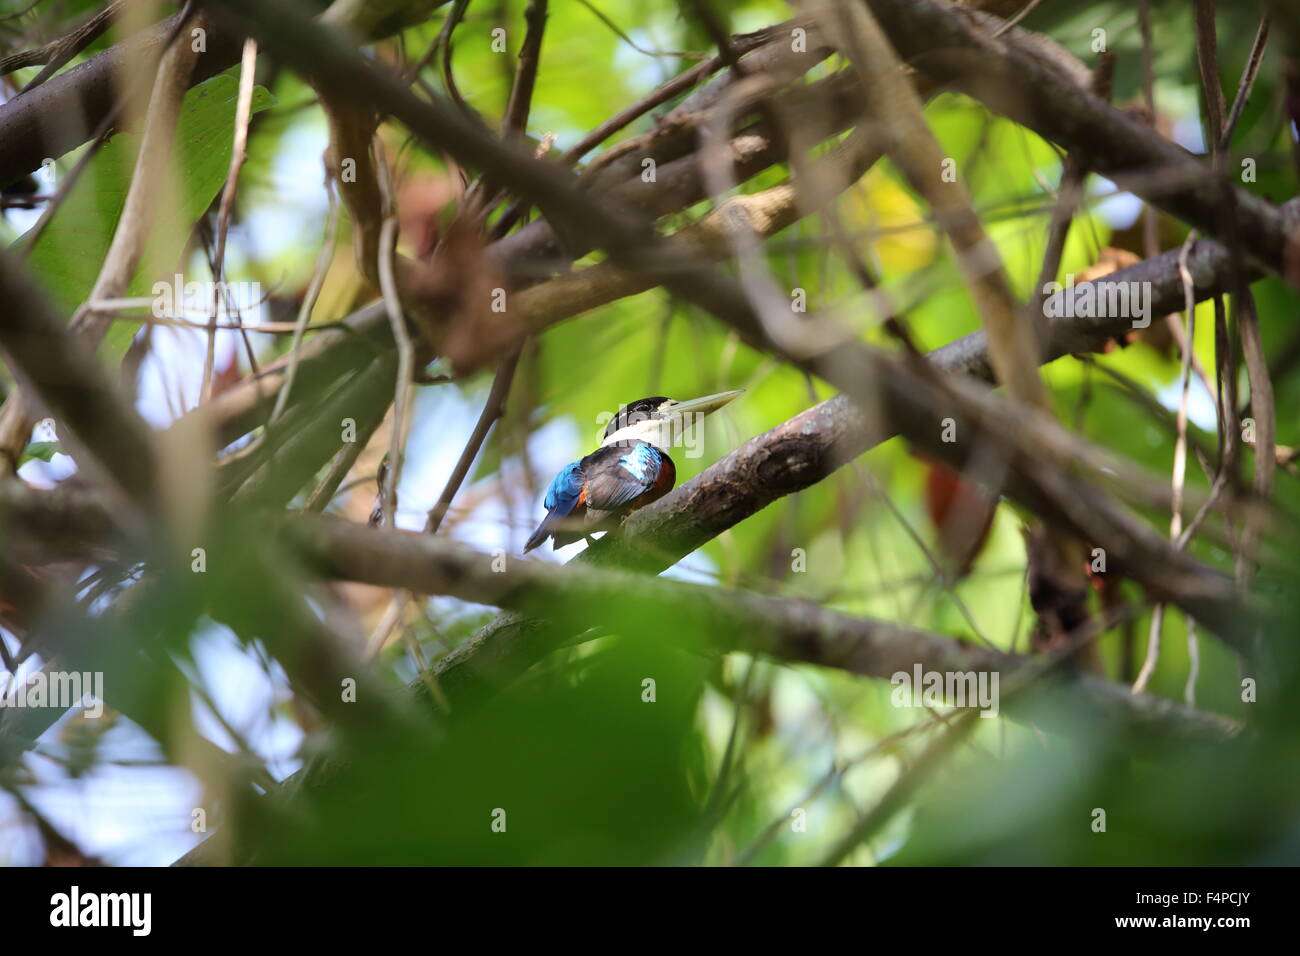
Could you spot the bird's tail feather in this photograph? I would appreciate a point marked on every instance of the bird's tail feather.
(538, 537)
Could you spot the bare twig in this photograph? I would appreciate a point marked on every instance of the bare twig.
(1150, 216)
(622, 35)
(1264, 411)
(243, 110)
(1012, 342)
(515, 121)
(1180, 464)
(314, 285)
(58, 52)
(405, 354)
(493, 409)
(1073, 176)
(1019, 685)
(61, 369)
(134, 223)
(1248, 74)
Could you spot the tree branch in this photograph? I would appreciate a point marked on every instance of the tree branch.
(63, 373)
(952, 45)
(805, 449)
(787, 630)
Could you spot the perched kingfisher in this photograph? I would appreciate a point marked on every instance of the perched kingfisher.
(630, 469)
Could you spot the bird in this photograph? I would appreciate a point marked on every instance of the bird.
(630, 469)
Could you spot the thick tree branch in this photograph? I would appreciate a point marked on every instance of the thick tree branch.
(802, 451)
(787, 630)
(956, 46)
(65, 111)
(321, 55)
(912, 145)
(64, 374)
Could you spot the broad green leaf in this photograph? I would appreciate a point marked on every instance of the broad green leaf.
(67, 257)
(39, 451)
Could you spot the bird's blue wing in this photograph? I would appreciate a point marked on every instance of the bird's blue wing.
(617, 475)
(561, 498)
(565, 488)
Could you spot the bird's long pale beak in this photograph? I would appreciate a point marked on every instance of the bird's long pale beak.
(706, 404)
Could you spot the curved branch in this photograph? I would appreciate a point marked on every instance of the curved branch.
(787, 630)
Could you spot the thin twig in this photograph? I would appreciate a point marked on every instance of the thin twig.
(1180, 461)
(405, 368)
(1207, 63)
(514, 125)
(958, 729)
(515, 122)
(332, 483)
(243, 110)
(55, 54)
(169, 85)
(1074, 174)
(5, 18)
(1025, 11)
(1150, 223)
(493, 408)
(1247, 83)
(836, 772)
(1263, 409)
(622, 35)
(323, 260)
(911, 143)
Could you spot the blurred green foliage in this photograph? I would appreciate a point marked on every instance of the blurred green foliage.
(587, 771)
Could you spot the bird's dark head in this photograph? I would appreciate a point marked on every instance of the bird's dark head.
(659, 420)
(642, 409)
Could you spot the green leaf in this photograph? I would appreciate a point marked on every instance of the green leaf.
(67, 257)
(39, 451)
